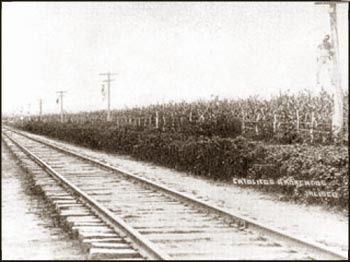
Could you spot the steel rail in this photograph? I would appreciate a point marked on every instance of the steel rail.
(319, 251)
(144, 245)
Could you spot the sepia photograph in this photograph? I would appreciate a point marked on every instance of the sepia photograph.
(174, 130)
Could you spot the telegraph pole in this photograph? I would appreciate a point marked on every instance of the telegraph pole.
(338, 96)
(40, 108)
(337, 119)
(61, 98)
(109, 80)
(28, 112)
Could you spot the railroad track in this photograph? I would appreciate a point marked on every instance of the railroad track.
(119, 215)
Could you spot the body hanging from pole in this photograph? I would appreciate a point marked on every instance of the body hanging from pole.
(329, 59)
(324, 59)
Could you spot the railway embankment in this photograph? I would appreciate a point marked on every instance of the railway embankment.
(29, 224)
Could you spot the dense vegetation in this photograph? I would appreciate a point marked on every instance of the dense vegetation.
(329, 164)
(286, 137)
(217, 157)
(283, 119)
(198, 154)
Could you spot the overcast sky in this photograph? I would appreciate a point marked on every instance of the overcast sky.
(161, 51)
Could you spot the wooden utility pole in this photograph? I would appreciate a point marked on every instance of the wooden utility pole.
(337, 119)
(40, 108)
(109, 80)
(61, 98)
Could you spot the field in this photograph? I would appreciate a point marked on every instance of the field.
(287, 137)
(283, 119)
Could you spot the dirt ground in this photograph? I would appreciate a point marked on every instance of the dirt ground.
(28, 230)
